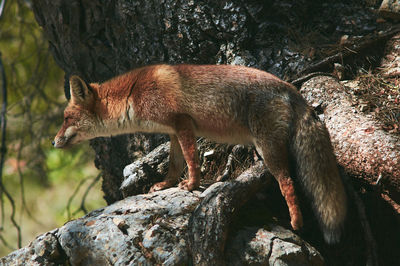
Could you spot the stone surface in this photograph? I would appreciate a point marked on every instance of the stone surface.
(145, 229)
(152, 229)
(272, 246)
(141, 174)
(44, 250)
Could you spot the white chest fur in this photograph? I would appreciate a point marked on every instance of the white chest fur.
(129, 123)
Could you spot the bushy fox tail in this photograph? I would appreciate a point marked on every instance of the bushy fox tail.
(318, 174)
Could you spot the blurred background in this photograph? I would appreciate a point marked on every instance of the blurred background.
(41, 187)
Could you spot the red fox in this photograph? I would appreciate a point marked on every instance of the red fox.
(225, 103)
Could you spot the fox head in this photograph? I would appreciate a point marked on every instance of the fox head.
(79, 117)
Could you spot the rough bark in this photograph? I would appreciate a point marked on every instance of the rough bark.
(390, 67)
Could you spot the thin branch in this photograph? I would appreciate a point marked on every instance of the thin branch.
(3, 152)
(22, 185)
(73, 196)
(91, 185)
(1, 170)
(326, 64)
(5, 243)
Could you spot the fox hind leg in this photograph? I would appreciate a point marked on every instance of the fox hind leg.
(270, 127)
(175, 168)
(275, 157)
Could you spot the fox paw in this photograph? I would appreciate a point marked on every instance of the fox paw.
(160, 186)
(188, 185)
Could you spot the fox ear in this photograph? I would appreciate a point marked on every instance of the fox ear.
(80, 91)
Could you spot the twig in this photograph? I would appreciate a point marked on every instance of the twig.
(299, 81)
(22, 186)
(1, 173)
(326, 65)
(3, 151)
(73, 196)
(82, 207)
(232, 158)
(5, 243)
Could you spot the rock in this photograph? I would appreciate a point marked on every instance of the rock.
(44, 250)
(147, 228)
(275, 246)
(152, 229)
(141, 174)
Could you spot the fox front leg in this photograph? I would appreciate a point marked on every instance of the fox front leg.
(185, 133)
(183, 147)
(175, 168)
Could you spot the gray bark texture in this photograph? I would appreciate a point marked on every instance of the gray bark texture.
(97, 40)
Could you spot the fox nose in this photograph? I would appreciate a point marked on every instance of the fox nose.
(52, 143)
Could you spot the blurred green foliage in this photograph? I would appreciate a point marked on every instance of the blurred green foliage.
(40, 179)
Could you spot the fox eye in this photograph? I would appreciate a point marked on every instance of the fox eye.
(67, 118)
